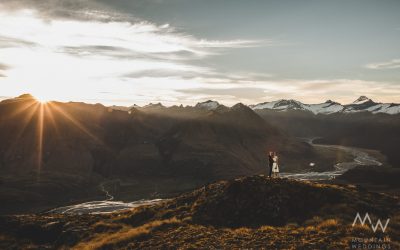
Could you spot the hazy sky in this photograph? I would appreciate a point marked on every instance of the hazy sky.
(183, 51)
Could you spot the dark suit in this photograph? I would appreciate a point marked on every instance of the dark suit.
(270, 163)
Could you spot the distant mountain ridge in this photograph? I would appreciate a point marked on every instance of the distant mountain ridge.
(148, 140)
(209, 105)
(74, 146)
(361, 104)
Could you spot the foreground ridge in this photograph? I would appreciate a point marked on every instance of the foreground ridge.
(246, 212)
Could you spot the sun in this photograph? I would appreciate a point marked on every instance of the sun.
(42, 99)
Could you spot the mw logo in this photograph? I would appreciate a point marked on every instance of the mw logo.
(374, 227)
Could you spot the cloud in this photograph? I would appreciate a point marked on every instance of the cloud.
(124, 53)
(201, 74)
(3, 67)
(232, 44)
(67, 9)
(392, 64)
(237, 93)
(182, 73)
(345, 90)
(77, 59)
(307, 91)
(74, 50)
(146, 40)
(121, 40)
(10, 42)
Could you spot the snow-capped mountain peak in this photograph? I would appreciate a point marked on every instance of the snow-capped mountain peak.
(154, 105)
(288, 104)
(362, 104)
(327, 107)
(282, 104)
(209, 105)
(361, 99)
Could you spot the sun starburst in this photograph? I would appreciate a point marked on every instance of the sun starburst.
(49, 119)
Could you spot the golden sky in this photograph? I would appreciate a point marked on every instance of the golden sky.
(96, 52)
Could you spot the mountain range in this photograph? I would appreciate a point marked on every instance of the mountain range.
(53, 148)
(362, 104)
(362, 123)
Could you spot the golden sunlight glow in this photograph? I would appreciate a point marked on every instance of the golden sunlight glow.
(40, 127)
(42, 99)
(122, 63)
(74, 121)
(30, 110)
(46, 117)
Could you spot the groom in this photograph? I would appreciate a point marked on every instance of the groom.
(270, 162)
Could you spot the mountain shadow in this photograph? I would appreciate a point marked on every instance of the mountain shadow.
(41, 142)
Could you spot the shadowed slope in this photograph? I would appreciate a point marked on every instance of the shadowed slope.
(251, 212)
(40, 142)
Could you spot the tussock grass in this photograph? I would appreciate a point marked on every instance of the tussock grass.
(361, 230)
(310, 229)
(267, 228)
(189, 221)
(126, 234)
(328, 224)
(242, 230)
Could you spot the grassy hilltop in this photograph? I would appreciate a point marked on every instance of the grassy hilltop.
(250, 212)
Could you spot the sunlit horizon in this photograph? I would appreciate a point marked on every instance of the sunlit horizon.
(45, 100)
(40, 110)
(100, 53)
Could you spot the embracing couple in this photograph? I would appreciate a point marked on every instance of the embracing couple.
(273, 164)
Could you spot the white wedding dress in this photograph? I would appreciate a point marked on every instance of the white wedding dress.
(275, 167)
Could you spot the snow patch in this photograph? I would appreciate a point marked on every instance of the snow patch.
(209, 105)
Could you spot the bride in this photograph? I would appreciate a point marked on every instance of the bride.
(275, 166)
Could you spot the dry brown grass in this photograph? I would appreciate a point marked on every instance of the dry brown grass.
(242, 230)
(328, 224)
(173, 225)
(361, 230)
(124, 235)
(267, 228)
(310, 229)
